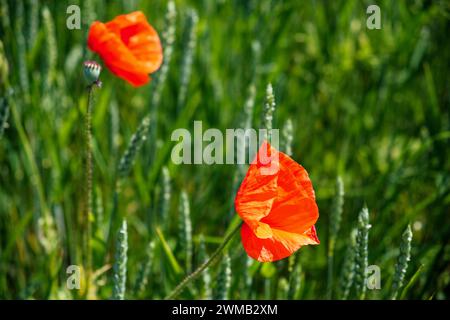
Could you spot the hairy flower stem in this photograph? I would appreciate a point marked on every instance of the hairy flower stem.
(194, 275)
(89, 171)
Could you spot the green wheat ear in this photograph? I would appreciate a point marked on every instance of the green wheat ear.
(361, 253)
(120, 264)
(335, 223)
(136, 141)
(190, 41)
(348, 269)
(144, 271)
(33, 26)
(242, 142)
(268, 110)
(206, 276)
(402, 262)
(185, 227)
(165, 197)
(160, 77)
(223, 280)
(288, 137)
(88, 12)
(336, 214)
(168, 40)
(51, 47)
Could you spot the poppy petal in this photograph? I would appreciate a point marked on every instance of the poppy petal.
(281, 245)
(263, 250)
(115, 55)
(128, 45)
(312, 234)
(140, 38)
(299, 173)
(297, 216)
(279, 209)
(284, 200)
(147, 49)
(256, 195)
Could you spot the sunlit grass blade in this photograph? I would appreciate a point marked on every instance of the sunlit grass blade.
(172, 260)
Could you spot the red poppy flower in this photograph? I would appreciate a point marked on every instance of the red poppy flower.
(128, 45)
(278, 206)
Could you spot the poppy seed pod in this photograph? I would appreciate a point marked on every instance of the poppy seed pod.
(92, 72)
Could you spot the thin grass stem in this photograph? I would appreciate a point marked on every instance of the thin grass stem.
(194, 275)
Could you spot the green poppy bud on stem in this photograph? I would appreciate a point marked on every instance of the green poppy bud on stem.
(92, 72)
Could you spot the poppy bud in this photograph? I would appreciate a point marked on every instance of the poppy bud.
(92, 72)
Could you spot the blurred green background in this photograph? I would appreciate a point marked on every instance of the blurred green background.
(370, 106)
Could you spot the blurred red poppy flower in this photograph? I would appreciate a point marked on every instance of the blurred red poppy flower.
(278, 207)
(128, 45)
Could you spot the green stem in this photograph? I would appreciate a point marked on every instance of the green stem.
(89, 170)
(194, 275)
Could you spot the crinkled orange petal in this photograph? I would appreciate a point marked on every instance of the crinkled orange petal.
(140, 38)
(279, 209)
(298, 216)
(128, 45)
(281, 245)
(257, 192)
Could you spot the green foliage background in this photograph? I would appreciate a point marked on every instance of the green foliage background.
(371, 106)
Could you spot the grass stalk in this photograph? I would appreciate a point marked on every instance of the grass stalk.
(194, 275)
